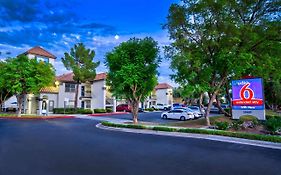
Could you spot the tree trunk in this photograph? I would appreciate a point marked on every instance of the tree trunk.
(19, 101)
(201, 106)
(135, 110)
(76, 96)
(212, 98)
(228, 98)
(218, 105)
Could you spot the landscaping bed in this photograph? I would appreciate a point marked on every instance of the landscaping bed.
(250, 136)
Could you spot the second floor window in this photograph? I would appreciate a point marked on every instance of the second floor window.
(69, 87)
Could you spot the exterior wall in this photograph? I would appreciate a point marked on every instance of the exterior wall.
(51, 60)
(164, 96)
(98, 94)
(62, 96)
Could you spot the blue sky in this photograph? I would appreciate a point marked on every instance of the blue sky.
(100, 25)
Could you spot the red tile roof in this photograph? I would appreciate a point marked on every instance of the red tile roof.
(163, 86)
(40, 52)
(69, 77)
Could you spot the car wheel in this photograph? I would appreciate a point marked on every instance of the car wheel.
(182, 118)
(165, 116)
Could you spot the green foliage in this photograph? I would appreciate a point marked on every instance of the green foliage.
(161, 128)
(273, 124)
(149, 109)
(251, 118)
(100, 110)
(221, 125)
(202, 131)
(227, 110)
(109, 110)
(80, 61)
(216, 41)
(133, 70)
(236, 125)
(22, 75)
(72, 111)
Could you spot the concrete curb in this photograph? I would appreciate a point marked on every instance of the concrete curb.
(37, 118)
(258, 143)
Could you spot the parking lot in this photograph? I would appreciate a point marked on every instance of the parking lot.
(153, 117)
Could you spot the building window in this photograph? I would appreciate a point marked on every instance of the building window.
(69, 87)
(88, 104)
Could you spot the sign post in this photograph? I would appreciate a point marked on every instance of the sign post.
(248, 98)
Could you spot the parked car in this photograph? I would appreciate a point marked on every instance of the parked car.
(178, 105)
(197, 109)
(196, 114)
(126, 107)
(123, 107)
(13, 106)
(214, 109)
(161, 106)
(179, 114)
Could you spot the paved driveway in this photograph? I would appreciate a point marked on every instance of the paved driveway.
(77, 147)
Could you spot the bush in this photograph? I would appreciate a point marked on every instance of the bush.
(109, 110)
(161, 128)
(273, 124)
(99, 110)
(249, 118)
(149, 109)
(222, 125)
(72, 111)
(272, 116)
(236, 125)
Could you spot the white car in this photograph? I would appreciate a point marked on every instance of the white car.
(10, 107)
(196, 114)
(197, 109)
(161, 106)
(179, 114)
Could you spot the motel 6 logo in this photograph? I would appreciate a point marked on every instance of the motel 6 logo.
(247, 97)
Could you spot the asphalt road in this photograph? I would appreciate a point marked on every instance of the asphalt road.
(77, 147)
(154, 117)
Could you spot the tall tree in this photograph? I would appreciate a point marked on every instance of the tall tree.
(216, 41)
(133, 71)
(81, 61)
(21, 76)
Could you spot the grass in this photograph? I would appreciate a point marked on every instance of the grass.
(272, 113)
(269, 138)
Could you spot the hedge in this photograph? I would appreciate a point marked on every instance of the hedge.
(100, 110)
(201, 131)
(72, 111)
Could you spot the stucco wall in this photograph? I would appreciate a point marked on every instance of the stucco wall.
(98, 94)
(164, 96)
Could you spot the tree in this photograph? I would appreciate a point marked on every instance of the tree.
(80, 61)
(21, 76)
(216, 41)
(133, 71)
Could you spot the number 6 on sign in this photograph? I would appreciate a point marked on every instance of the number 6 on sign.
(245, 89)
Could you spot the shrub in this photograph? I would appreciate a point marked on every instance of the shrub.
(72, 111)
(236, 125)
(249, 118)
(272, 116)
(221, 125)
(99, 110)
(161, 128)
(109, 110)
(273, 124)
(149, 109)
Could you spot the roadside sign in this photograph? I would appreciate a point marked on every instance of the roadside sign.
(248, 98)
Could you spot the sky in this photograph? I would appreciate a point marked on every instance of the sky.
(100, 25)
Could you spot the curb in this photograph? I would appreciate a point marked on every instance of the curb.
(108, 114)
(39, 118)
(242, 141)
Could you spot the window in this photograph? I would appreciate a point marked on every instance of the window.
(69, 87)
(45, 60)
(88, 104)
